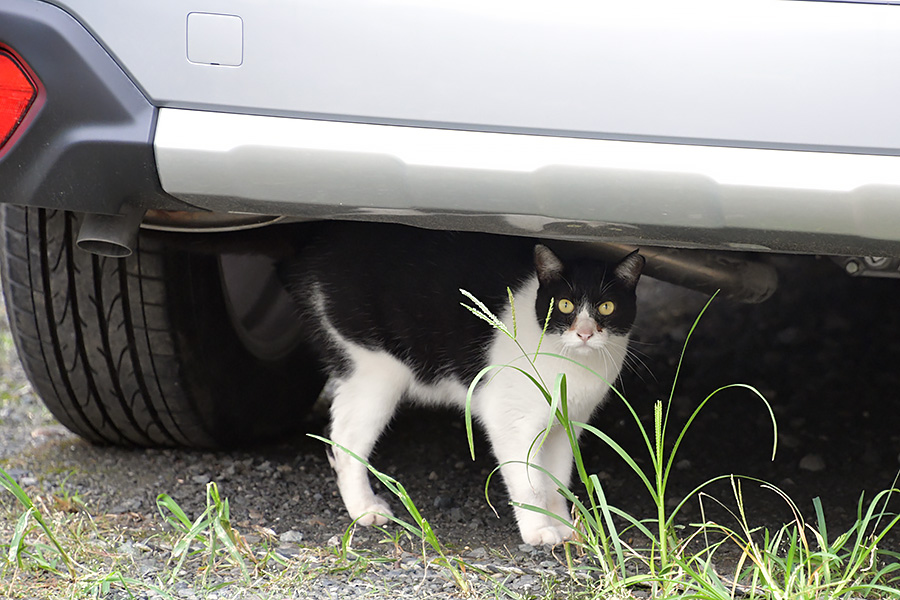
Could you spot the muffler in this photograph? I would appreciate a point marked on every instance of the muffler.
(737, 276)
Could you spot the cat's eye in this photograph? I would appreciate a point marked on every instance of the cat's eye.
(566, 306)
(607, 308)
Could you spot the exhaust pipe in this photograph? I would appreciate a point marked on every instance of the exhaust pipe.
(736, 276)
(113, 236)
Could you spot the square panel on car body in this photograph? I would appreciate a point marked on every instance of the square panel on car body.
(214, 39)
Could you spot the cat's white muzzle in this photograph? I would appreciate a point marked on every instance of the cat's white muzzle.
(584, 336)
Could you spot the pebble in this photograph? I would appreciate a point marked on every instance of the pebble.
(148, 567)
(50, 431)
(526, 582)
(789, 336)
(788, 441)
(291, 537)
(548, 564)
(813, 463)
(127, 548)
(443, 502)
(126, 506)
(288, 551)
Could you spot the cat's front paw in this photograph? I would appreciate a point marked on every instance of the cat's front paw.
(550, 535)
(376, 512)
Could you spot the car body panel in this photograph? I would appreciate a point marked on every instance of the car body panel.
(760, 73)
(750, 125)
(86, 146)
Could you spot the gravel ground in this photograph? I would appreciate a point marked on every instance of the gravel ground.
(823, 351)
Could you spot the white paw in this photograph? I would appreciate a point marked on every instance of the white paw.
(550, 535)
(376, 513)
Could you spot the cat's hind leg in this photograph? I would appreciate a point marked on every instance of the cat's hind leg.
(363, 404)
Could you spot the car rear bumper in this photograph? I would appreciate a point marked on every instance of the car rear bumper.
(629, 192)
(87, 146)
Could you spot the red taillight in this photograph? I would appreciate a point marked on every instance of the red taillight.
(18, 92)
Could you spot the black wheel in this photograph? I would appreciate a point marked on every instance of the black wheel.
(163, 348)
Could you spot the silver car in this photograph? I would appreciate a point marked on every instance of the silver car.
(156, 156)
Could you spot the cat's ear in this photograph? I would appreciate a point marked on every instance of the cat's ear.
(547, 265)
(629, 268)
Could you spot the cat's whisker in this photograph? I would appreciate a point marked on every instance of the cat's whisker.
(636, 365)
(607, 358)
(637, 354)
(632, 350)
(638, 342)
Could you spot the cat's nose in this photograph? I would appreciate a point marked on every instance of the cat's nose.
(585, 329)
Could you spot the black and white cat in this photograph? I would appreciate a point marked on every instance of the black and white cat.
(385, 304)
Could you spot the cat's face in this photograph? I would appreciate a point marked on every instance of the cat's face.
(592, 301)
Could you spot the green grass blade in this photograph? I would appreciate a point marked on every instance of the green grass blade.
(18, 538)
(180, 521)
(512, 307)
(11, 486)
(686, 427)
(615, 392)
(820, 520)
(623, 454)
(684, 346)
(470, 436)
(611, 531)
(8, 483)
(636, 523)
(225, 535)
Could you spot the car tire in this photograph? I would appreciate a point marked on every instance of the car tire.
(153, 349)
